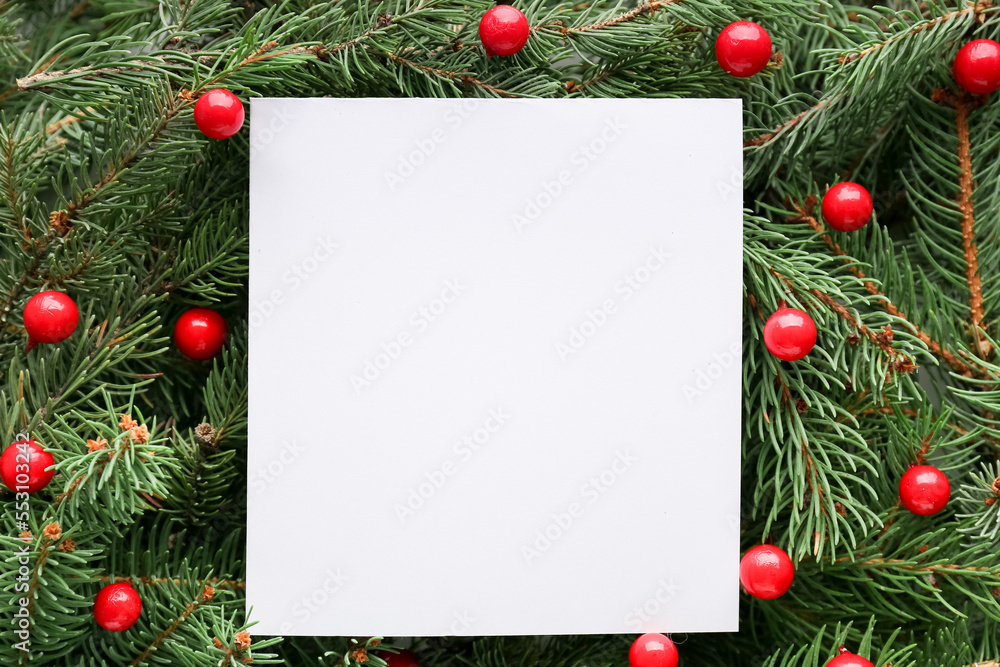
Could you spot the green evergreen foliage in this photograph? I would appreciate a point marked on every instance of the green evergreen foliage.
(109, 193)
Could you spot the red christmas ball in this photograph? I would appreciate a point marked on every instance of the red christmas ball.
(23, 467)
(50, 317)
(766, 572)
(117, 607)
(218, 114)
(200, 333)
(977, 66)
(404, 658)
(847, 207)
(743, 48)
(653, 650)
(789, 334)
(924, 490)
(848, 659)
(503, 31)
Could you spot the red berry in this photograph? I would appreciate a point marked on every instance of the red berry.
(200, 333)
(218, 114)
(743, 48)
(848, 659)
(847, 207)
(924, 490)
(50, 317)
(789, 334)
(503, 31)
(404, 658)
(23, 467)
(977, 66)
(766, 572)
(117, 607)
(653, 650)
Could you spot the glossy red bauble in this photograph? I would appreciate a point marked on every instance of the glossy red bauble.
(117, 607)
(789, 334)
(924, 490)
(977, 66)
(503, 31)
(847, 207)
(50, 317)
(653, 650)
(404, 658)
(23, 467)
(743, 48)
(848, 659)
(218, 114)
(200, 333)
(766, 572)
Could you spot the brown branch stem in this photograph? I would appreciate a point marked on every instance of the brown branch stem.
(805, 215)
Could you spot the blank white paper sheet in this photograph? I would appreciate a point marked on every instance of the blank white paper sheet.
(494, 366)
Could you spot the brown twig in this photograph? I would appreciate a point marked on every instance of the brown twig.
(171, 629)
(975, 10)
(460, 77)
(900, 362)
(648, 7)
(854, 57)
(969, 248)
(943, 568)
(215, 582)
(805, 215)
(787, 125)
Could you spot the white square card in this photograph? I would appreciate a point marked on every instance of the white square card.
(494, 366)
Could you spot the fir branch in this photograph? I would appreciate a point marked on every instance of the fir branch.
(171, 629)
(805, 214)
(900, 362)
(214, 582)
(787, 125)
(969, 248)
(648, 7)
(458, 77)
(975, 9)
(941, 568)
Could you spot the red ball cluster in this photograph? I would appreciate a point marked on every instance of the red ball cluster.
(653, 650)
(847, 207)
(23, 467)
(218, 114)
(200, 333)
(766, 572)
(50, 317)
(404, 658)
(117, 607)
(848, 659)
(743, 48)
(977, 66)
(924, 490)
(789, 334)
(503, 30)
